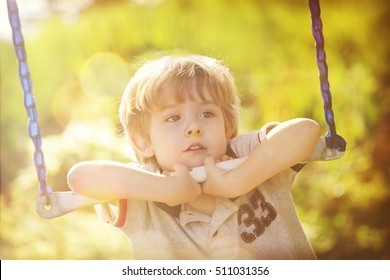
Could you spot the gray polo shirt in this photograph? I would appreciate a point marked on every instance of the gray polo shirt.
(262, 224)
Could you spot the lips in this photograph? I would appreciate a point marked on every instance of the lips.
(195, 147)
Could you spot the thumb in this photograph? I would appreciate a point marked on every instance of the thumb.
(209, 163)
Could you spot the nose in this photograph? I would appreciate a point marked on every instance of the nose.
(193, 130)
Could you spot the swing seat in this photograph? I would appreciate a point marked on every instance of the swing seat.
(322, 151)
(62, 203)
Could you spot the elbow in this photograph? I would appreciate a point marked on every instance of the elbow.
(75, 177)
(311, 130)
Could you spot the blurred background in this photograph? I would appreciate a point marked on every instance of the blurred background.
(83, 52)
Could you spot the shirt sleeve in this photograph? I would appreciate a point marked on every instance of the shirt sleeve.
(267, 128)
(244, 144)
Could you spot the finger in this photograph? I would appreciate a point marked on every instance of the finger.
(209, 161)
(225, 157)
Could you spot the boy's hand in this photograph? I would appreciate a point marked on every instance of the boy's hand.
(184, 188)
(218, 181)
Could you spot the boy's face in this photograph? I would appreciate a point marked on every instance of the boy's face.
(187, 133)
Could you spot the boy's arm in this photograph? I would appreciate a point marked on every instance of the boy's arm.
(108, 180)
(285, 145)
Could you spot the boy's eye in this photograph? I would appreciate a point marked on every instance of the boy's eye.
(207, 114)
(173, 118)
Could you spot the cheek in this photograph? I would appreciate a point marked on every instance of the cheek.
(219, 139)
(163, 136)
(164, 142)
(223, 146)
(157, 133)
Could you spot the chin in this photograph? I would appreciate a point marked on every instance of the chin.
(194, 163)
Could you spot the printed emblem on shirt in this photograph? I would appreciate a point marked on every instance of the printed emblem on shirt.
(254, 219)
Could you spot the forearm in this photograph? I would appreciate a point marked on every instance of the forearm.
(109, 180)
(284, 146)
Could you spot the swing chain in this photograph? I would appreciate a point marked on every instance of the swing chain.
(29, 100)
(333, 141)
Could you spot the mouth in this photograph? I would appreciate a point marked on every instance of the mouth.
(196, 147)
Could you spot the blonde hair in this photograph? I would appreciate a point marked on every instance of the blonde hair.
(181, 77)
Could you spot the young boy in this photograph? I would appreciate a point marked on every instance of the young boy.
(180, 112)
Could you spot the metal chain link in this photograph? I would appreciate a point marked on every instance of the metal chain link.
(333, 140)
(29, 100)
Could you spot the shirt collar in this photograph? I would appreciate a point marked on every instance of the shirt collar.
(224, 209)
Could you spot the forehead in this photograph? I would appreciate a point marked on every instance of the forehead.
(176, 91)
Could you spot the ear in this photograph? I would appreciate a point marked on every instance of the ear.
(142, 146)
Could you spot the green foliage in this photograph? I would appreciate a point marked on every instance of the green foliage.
(80, 65)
